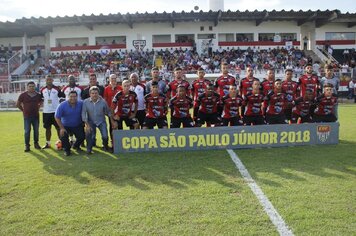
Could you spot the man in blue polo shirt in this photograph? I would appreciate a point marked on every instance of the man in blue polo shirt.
(69, 118)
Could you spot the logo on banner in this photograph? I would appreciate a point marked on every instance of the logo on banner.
(323, 132)
(139, 44)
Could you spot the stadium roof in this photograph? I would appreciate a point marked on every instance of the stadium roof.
(39, 26)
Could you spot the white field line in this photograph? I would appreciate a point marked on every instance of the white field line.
(272, 213)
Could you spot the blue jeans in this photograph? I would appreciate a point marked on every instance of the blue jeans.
(34, 122)
(90, 137)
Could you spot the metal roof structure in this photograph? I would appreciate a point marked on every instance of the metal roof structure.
(39, 26)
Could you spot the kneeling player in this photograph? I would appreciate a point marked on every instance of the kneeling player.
(301, 109)
(122, 107)
(156, 109)
(325, 106)
(208, 104)
(180, 105)
(253, 101)
(232, 103)
(276, 101)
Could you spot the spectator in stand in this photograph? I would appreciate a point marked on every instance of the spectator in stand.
(139, 89)
(180, 106)
(301, 109)
(29, 103)
(208, 103)
(51, 95)
(253, 101)
(316, 68)
(290, 89)
(325, 106)
(352, 88)
(93, 81)
(275, 102)
(94, 111)
(156, 108)
(232, 103)
(162, 85)
(122, 104)
(178, 80)
(69, 118)
(198, 87)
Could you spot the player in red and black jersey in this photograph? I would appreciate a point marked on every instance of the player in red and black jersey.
(246, 83)
(122, 104)
(309, 81)
(198, 87)
(267, 84)
(275, 105)
(301, 109)
(180, 105)
(325, 106)
(208, 103)
(178, 81)
(223, 82)
(231, 107)
(156, 108)
(254, 105)
(289, 88)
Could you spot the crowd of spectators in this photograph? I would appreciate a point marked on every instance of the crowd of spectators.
(125, 62)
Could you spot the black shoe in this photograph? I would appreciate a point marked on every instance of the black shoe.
(46, 146)
(66, 153)
(78, 149)
(89, 152)
(107, 149)
(37, 146)
(27, 149)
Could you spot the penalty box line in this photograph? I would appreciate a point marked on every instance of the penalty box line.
(272, 213)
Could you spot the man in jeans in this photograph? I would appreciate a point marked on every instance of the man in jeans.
(69, 118)
(93, 114)
(29, 103)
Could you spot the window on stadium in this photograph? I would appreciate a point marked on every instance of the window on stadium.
(226, 37)
(63, 42)
(288, 36)
(184, 38)
(340, 36)
(206, 36)
(110, 40)
(164, 38)
(280, 36)
(244, 37)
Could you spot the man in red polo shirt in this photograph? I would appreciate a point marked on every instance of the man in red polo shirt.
(109, 92)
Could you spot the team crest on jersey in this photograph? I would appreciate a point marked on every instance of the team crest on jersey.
(323, 132)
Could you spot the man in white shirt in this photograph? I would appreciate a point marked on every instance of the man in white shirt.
(139, 89)
(50, 95)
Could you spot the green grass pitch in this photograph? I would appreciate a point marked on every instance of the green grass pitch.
(176, 193)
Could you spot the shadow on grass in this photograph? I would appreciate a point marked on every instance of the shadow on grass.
(331, 161)
(140, 170)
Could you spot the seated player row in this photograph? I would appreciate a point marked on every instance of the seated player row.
(210, 108)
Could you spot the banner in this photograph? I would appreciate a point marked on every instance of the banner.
(158, 140)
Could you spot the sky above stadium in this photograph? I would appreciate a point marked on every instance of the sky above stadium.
(16, 9)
